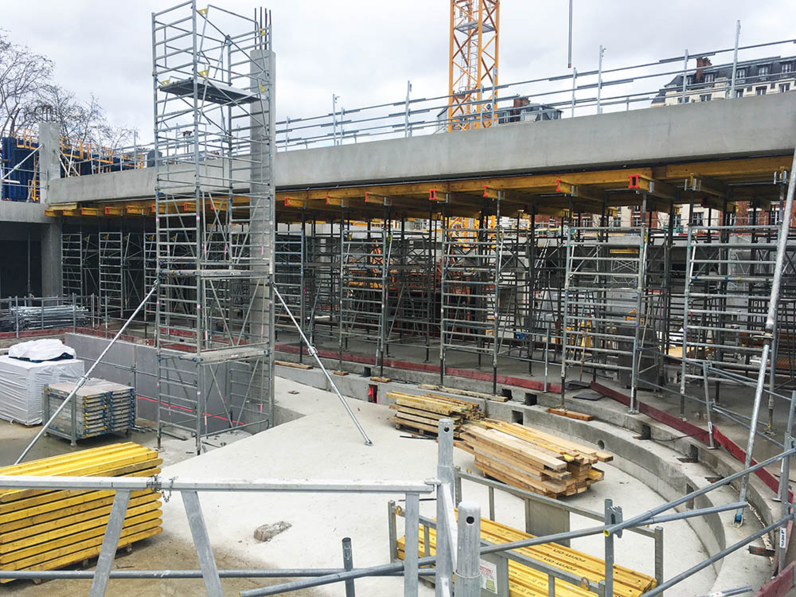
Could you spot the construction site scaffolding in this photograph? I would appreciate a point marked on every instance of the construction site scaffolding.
(215, 224)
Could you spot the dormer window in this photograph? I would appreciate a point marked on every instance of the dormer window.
(787, 67)
(763, 69)
(710, 77)
(741, 73)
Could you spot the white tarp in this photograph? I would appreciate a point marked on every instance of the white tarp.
(46, 349)
(22, 384)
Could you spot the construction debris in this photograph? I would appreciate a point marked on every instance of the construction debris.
(292, 365)
(530, 459)
(422, 413)
(570, 414)
(47, 530)
(529, 582)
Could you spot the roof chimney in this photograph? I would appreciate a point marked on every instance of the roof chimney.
(701, 63)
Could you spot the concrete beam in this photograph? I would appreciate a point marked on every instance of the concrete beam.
(19, 211)
(753, 126)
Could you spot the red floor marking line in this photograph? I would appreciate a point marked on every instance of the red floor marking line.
(186, 409)
(428, 368)
(780, 585)
(690, 429)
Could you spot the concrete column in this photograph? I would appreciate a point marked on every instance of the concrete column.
(51, 268)
(49, 170)
(263, 211)
(49, 156)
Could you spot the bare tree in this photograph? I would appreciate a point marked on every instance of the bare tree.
(22, 75)
(83, 123)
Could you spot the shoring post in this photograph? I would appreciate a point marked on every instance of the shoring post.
(612, 516)
(784, 482)
(411, 545)
(348, 564)
(392, 530)
(750, 442)
(442, 354)
(658, 555)
(706, 385)
(496, 325)
(445, 474)
(468, 569)
(690, 256)
(313, 352)
(637, 339)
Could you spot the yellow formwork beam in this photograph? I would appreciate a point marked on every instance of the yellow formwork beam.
(650, 186)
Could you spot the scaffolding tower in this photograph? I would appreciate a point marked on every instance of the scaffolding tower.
(213, 93)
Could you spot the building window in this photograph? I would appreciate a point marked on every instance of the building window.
(776, 216)
(739, 93)
(710, 77)
(763, 69)
(732, 219)
(636, 221)
(783, 87)
(690, 79)
(696, 218)
(616, 222)
(760, 90)
(787, 67)
(705, 97)
(740, 73)
(636, 209)
(677, 222)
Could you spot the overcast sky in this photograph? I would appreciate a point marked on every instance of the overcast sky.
(365, 50)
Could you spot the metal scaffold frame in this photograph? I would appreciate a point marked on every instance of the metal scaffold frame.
(111, 273)
(729, 273)
(604, 302)
(213, 81)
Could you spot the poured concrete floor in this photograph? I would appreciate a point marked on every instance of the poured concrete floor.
(322, 443)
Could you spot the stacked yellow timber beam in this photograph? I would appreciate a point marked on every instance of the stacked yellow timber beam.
(422, 413)
(528, 582)
(42, 529)
(530, 459)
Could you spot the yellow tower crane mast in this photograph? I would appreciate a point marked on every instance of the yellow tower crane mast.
(473, 74)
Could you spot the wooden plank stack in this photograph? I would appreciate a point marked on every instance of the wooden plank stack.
(530, 459)
(47, 530)
(421, 414)
(527, 582)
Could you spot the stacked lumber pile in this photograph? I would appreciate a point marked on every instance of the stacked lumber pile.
(527, 582)
(422, 413)
(47, 530)
(532, 460)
